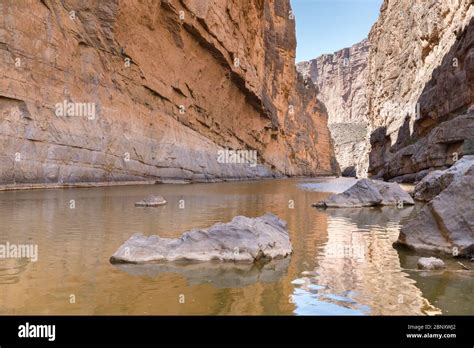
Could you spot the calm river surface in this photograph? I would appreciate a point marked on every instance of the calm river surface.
(343, 260)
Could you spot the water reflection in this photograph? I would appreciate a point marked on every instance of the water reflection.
(358, 271)
(218, 274)
(343, 261)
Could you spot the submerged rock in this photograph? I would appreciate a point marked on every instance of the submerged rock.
(446, 223)
(436, 181)
(242, 239)
(368, 193)
(151, 201)
(430, 263)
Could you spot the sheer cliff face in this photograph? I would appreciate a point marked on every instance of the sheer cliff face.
(126, 90)
(340, 79)
(420, 86)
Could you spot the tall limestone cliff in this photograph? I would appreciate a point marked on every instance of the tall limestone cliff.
(341, 82)
(420, 87)
(133, 90)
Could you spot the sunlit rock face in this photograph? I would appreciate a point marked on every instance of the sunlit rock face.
(420, 87)
(340, 79)
(124, 90)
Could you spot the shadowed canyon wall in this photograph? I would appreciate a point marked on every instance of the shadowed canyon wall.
(126, 90)
(410, 86)
(420, 87)
(341, 82)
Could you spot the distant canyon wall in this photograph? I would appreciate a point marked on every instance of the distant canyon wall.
(340, 79)
(124, 90)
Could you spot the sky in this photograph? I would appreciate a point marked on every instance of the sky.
(326, 26)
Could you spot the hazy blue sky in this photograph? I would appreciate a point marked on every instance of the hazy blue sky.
(325, 26)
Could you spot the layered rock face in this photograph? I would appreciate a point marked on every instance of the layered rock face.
(123, 90)
(420, 87)
(341, 82)
(340, 79)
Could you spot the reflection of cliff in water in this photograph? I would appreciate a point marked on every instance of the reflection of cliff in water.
(10, 270)
(358, 270)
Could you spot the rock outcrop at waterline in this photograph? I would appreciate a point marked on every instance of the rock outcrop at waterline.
(123, 90)
(436, 181)
(420, 87)
(368, 193)
(445, 224)
(151, 201)
(243, 239)
(341, 82)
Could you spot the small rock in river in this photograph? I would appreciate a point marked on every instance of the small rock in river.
(151, 201)
(430, 263)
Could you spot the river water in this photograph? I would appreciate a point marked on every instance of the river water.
(343, 261)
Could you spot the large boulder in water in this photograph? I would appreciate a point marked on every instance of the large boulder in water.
(392, 193)
(436, 181)
(445, 224)
(368, 193)
(242, 239)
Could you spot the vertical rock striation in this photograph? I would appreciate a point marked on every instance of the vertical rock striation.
(153, 90)
(341, 82)
(420, 87)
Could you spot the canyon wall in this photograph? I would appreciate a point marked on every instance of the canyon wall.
(420, 87)
(341, 82)
(125, 90)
